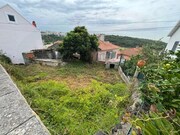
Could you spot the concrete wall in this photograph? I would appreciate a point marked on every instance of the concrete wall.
(175, 37)
(102, 56)
(17, 37)
(16, 116)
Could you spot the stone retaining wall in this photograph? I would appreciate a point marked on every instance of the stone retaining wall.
(16, 116)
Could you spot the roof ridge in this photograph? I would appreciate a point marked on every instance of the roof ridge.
(7, 5)
(175, 28)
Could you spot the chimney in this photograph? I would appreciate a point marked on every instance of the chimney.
(34, 23)
(101, 37)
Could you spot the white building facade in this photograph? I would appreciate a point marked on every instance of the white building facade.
(17, 35)
(174, 41)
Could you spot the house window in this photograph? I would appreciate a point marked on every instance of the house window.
(11, 18)
(110, 55)
(175, 46)
(113, 55)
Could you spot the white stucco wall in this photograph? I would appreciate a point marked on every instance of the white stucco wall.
(102, 55)
(175, 37)
(18, 37)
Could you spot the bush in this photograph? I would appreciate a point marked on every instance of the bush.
(160, 88)
(155, 124)
(162, 84)
(5, 59)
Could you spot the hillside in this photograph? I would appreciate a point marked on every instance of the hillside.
(51, 38)
(128, 42)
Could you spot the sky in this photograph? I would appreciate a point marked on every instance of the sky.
(151, 19)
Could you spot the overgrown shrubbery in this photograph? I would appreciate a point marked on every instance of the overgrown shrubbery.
(130, 66)
(161, 90)
(155, 124)
(82, 111)
(162, 84)
(148, 54)
(67, 107)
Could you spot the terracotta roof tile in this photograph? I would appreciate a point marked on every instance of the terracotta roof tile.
(104, 45)
(130, 51)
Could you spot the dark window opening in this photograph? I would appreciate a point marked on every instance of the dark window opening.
(112, 65)
(11, 18)
(175, 46)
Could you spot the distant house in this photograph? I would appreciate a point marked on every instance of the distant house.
(122, 56)
(106, 50)
(17, 35)
(174, 41)
(126, 54)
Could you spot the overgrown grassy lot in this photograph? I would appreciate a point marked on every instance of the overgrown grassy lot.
(77, 99)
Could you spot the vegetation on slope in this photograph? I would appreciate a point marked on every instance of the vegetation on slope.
(160, 91)
(129, 42)
(51, 38)
(151, 57)
(75, 99)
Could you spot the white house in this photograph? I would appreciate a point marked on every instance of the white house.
(17, 35)
(106, 50)
(174, 41)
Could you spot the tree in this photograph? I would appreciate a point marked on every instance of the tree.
(81, 42)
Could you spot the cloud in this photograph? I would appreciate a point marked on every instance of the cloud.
(114, 16)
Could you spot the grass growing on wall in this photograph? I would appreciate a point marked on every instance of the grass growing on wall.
(75, 99)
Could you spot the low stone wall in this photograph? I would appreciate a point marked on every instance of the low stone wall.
(16, 116)
(123, 76)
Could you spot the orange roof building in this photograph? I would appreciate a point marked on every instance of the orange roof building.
(128, 53)
(107, 51)
(105, 45)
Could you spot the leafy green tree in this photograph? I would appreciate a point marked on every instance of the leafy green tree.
(81, 42)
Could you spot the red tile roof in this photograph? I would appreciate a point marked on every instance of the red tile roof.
(130, 52)
(104, 45)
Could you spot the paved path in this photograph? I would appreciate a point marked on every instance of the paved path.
(16, 116)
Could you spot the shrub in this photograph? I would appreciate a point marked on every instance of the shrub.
(155, 124)
(162, 84)
(5, 59)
